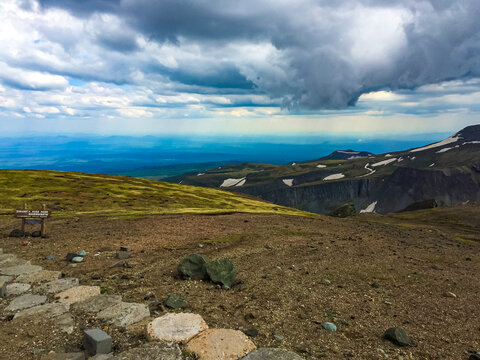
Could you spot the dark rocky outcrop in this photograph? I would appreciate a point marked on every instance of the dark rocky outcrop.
(193, 267)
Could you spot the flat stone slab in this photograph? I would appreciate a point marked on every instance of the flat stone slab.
(39, 276)
(76, 294)
(56, 286)
(96, 303)
(12, 261)
(179, 327)
(152, 351)
(6, 257)
(3, 285)
(26, 301)
(20, 269)
(17, 288)
(272, 354)
(227, 344)
(47, 310)
(124, 314)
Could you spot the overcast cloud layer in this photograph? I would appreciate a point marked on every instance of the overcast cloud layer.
(74, 62)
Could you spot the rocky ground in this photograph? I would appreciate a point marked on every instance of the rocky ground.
(364, 274)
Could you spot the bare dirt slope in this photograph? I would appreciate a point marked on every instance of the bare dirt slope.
(411, 261)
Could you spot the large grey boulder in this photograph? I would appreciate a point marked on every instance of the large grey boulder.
(221, 271)
(272, 354)
(193, 267)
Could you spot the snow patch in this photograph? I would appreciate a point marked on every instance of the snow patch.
(321, 166)
(370, 171)
(431, 165)
(293, 164)
(388, 155)
(200, 174)
(233, 182)
(370, 208)
(334, 177)
(447, 141)
(471, 142)
(384, 162)
(288, 182)
(446, 149)
(400, 159)
(348, 152)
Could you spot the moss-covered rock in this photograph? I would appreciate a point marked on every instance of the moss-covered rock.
(193, 267)
(344, 211)
(221, 271)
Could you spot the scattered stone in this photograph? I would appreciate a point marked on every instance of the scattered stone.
(27, 268)
(16, 233)
(175, 302)
(125, 248)
(96, 341)
(397, 336)
(36, 233)
(50, 257)
(474, 357)
(56, 286)
(82, 253)
(214, 344)
(122, 264)
(64, 356)
(176, 327)
(96, 277)
(251, 332)
(70, 256)
(193, 267)
(278, 337)
(26, 301)
(325, 282)
(450, 294)
(77, 259)
(329, 326)
(152, 351)
(123, 255)
(77, 294)
(221, 271)
(272, 354)
(50, 309)
(124, 314)
(17, 288)
(39, 276)
(96, 303)
(375, 285)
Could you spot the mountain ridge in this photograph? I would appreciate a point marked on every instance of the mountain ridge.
(446, 171)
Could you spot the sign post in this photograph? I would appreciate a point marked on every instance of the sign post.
(37, 216)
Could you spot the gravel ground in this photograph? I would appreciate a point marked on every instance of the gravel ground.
(382, 274)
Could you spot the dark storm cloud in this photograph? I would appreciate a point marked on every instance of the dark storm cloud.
(331, 52)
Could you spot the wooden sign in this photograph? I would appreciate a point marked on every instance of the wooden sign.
(33, 217)
(32, 213)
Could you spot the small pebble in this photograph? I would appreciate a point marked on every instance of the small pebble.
(329, 326)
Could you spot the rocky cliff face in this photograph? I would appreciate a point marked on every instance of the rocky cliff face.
(390, 193)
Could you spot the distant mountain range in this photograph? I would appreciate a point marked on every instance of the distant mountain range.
(445, 173)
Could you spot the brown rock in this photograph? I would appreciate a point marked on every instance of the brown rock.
(227, 344)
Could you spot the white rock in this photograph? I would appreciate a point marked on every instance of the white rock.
(124, 314)
(179, 327)
(17, 288)
(78, 293)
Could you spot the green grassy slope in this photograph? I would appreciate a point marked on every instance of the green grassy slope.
(68, 193)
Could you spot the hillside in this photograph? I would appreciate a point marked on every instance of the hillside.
(446, 173)
(68, 193)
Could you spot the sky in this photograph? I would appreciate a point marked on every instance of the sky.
(138, 67)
